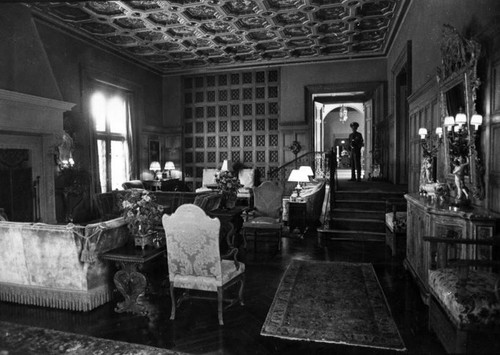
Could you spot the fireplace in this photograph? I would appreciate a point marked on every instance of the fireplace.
(30, 126)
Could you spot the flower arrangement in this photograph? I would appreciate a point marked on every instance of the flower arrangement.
(228, 183)
(141, 212)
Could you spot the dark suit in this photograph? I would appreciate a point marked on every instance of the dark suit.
(355, 145)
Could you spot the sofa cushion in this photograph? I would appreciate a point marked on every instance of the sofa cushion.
(477, 307)
(247, 178)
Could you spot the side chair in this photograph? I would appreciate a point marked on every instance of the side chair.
(266, 214)
(464, 285)
(194, 259)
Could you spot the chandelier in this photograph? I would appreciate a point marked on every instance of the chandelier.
(343, 114)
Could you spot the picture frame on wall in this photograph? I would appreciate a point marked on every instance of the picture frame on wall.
(154, 150)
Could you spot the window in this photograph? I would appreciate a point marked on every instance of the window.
(111, 123)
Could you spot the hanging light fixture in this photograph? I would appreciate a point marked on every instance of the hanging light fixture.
(343, 114)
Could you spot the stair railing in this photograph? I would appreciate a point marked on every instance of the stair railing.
(317, 160)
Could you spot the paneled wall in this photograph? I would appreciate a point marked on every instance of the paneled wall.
(494, 142)
(231, 116)
(424, 112)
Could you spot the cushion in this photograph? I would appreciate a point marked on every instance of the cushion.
(398, 224)
(478, 307)
(246, 177)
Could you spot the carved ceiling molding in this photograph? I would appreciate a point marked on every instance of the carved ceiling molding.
(178, 36)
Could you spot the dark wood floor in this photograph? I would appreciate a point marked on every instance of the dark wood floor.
(196, 329)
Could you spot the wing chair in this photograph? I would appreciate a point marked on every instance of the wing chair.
(247, 179)
(464, 305)
(194, 260)
(208, 181)
(265, 215)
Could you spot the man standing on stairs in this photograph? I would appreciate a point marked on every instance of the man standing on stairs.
(355, 145)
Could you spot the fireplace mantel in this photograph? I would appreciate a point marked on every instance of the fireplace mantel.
(34, 123)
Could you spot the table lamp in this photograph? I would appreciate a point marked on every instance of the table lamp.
(298, 176)
(307, 169)
(169, 166)
(225, 165)
(155, 167)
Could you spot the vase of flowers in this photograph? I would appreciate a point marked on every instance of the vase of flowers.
(228, 185)
(142, 214)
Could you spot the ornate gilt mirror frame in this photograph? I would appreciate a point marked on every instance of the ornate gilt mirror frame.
(458, 85)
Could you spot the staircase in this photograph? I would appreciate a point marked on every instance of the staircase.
(358, 215)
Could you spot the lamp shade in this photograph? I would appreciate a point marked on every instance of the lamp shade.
(155, 166)
(476, 120)
(422, 132)
(169, 165)
(298, 175)
(460, 118)
(307, 169)
(225, 165)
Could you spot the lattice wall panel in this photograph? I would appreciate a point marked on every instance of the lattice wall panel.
(231, 116)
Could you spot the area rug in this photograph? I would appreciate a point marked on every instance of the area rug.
(25, 340)
(332, 302)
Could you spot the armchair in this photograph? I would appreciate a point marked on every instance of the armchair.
(194, 260)
(266, 215)
(247, 179)
(464, 305)
(395, 225)
(208, 180)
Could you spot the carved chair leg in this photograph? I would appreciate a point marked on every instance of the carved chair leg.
(172, 297)
(219, 301)
(255, 242)
(279, 240)
(240, 293)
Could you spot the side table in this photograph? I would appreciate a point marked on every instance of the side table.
(128, 279)
(297, 214)
(232, 215)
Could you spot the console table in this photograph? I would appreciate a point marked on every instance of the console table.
(428, 217)
(129, 280)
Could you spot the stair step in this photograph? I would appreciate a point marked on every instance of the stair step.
(360, 204)
(354, 235)
(360, 224)
(367, 195)
(358, 213)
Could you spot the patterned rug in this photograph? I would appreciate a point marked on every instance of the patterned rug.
(21, 339)
(332, 302)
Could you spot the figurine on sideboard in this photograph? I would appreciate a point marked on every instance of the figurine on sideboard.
(462, 196)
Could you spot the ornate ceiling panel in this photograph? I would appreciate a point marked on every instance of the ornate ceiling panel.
(179, 36)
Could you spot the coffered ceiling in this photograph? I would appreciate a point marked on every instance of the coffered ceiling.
(179, 36)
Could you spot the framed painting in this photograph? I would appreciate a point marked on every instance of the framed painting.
(154, 150)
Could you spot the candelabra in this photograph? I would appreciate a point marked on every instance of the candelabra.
(430, 144)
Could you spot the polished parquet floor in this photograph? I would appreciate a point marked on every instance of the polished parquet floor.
(196, 329)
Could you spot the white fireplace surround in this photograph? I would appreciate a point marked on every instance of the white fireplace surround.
(34, 123)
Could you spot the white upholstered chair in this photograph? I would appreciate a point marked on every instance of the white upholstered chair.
(208, 180)
(247, 179)
(194, 260)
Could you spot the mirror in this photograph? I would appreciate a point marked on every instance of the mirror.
(458, 83)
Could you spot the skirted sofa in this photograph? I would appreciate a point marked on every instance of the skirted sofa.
(58, 265)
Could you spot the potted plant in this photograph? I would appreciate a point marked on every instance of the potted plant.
(142, 213)
(228, 185)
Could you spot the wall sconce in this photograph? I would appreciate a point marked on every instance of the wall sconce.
(155, 167)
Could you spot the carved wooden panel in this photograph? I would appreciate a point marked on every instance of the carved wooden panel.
(233, 116)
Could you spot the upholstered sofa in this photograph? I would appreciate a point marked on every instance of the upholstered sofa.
(58, 265)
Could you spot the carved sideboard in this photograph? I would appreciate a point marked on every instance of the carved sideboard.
(428, 217)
